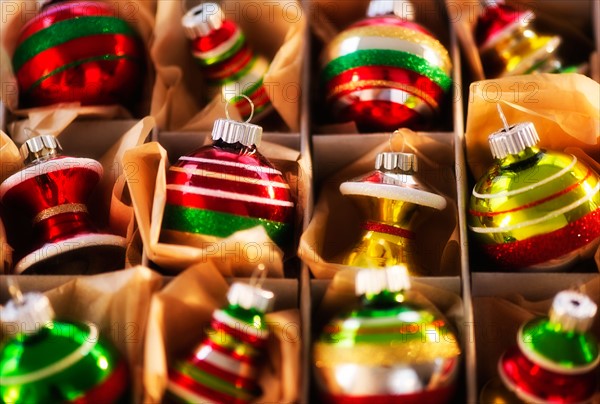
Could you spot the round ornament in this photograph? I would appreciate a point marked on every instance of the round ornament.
(228, 64)
(556, 357)
(78, 51)
(535, 209)
(392, 199)
(226, 187)
(53, 189)
(48, 361)
(224, 367)
(391, 349)
(386, 71)
(509, 45)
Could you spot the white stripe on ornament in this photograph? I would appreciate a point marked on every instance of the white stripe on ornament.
(229, 177)
(257, 169)
(394, 95)
(224, 47)
(240, 326)
(187, 395)
(90, 342)
(225, 362)
(529, 187)
(532, 222)
(228, 195)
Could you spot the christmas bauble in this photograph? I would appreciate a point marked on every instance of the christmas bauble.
(535, 209)
(224, 367)
(226, 187)
(388, 350)
(228, 64)
(392, 199)
(53, 190)
(556, 356)
(78, 51)
(385, 72)
(47, 361)
(509, 45)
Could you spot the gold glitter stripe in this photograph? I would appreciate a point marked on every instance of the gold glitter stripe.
(60, 209)
(394, 32)
(356, 85)
(229, 177)
(413, 352)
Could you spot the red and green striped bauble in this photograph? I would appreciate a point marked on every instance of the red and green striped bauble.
(228, 64)
(78, 51)
(219, 190)
(384, 73)
(225, 366)
(46, 361)
(535, 209)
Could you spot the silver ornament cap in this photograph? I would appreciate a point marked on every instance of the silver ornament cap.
(574, 311)
(29, 314)
(513, 140)
(40, 148)
(373, 281)
(394, 161)
(400, 8)
(251, 297)
(232, 132)
(202, 20)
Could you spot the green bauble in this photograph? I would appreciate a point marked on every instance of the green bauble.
(48, 361)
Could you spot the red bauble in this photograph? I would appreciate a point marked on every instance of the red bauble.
(78, 51)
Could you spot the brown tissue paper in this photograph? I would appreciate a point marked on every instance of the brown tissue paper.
(54, 118)
(178, 316)
(146, 168)
(273, 29)
(334, 226)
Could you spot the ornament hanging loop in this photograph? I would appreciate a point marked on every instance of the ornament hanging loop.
(14, 290)
(31, 133)
(503, 117)
(249, 101)
(397, 132)
(258, 276)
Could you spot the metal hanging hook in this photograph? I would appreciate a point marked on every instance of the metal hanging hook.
(503, 117)
(15, 290)
(249, 101)
(31, 132)
(258, 276)
(397, 132)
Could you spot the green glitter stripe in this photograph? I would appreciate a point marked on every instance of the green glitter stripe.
(65, 31)
(214, 382)
(236, 76)
(75, 64)
(387, 57)
(217, 59)
(218, 224)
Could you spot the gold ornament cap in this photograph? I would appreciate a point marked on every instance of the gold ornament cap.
(394, 161)
(202, 20)
(513, 139)
(574, 311)
(251, 297)
(31, 312)
(373, 281)
(400, 8)
(39, 148)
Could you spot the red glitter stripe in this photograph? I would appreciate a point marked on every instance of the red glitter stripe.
(74, 50)
(421, 83)
(111, 390)
(534, 203)
(188, 383)
(239, 334)
(545, 247)
(62, 12)
(441, 395)
(213, 182)
(260, 172)
(229, 67)
(242, 358)
(231, 206)
(387, 229)
(392, 21)
(235, 379)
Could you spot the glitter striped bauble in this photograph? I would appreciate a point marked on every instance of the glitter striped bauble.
(217, 191)
(51, 361)
(78, 51)
(536, 209)
(391, 349)
(228, 64)
(385, 73)
(224, 367)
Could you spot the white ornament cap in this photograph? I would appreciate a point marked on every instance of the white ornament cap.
(393, 161)
(202, 20)
(232, 132)
(574, 311)
(31, 313)
(250, 297)
(40, 148)
(373, 281)
(513, 140)
(400, 8)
